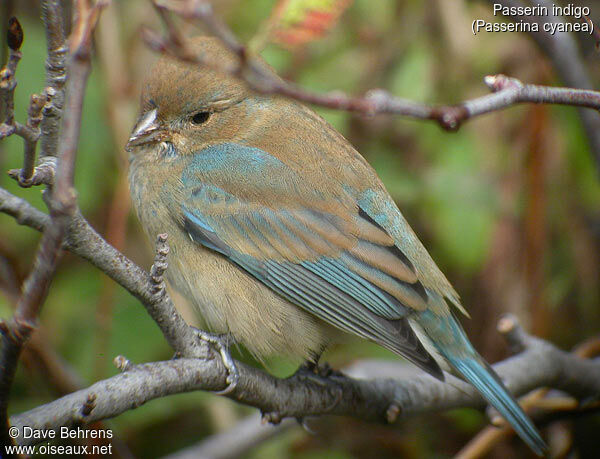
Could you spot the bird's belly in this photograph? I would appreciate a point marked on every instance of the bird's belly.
(232, 301)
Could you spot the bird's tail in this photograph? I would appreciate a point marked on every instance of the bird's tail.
(487, 382)
(461, 355)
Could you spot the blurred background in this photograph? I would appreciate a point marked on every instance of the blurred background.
(509, 207)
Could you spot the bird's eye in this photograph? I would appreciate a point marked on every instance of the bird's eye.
(200, 117)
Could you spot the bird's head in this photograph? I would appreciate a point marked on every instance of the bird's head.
(187, 106)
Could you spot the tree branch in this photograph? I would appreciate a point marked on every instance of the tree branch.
(540, 364)
(56, 75)
(23, 212)
(508, 91)
(62, 205)
(29, 132)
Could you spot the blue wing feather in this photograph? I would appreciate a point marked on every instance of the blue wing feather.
(330, 290)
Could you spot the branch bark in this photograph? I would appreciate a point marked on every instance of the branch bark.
(381, 400)
(56, 74)
(8, 82)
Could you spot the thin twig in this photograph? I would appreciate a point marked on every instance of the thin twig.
(34, 117)
(56, 75)
(30, 132)
(8, 82)
(62, 204)
(596, 32)
(508, 91)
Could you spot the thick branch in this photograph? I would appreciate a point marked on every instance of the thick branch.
(541, 364)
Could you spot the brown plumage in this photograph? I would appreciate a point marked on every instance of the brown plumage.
(282, 235)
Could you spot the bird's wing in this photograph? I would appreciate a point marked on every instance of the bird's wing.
(322, 253)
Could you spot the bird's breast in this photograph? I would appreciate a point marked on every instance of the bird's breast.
(231, 301)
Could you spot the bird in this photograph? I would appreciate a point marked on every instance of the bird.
(282, 235)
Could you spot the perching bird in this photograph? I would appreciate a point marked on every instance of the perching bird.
(282, 235)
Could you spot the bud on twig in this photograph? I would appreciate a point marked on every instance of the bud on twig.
(14, 34)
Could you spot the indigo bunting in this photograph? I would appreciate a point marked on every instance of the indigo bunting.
(282, 235)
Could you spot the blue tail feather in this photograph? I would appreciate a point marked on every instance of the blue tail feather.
(487, 382)
(449, 338)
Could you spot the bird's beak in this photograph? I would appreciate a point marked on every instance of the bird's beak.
(145, 130)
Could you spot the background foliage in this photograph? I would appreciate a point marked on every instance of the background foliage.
(508, 206)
